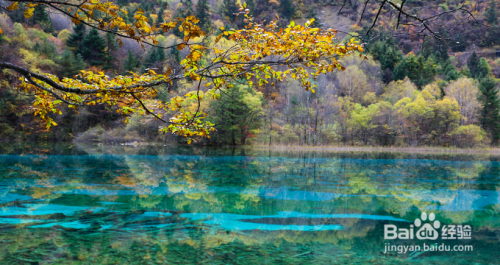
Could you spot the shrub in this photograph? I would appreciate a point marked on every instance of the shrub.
(469, 136)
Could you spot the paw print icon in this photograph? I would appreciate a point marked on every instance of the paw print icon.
(427, 231)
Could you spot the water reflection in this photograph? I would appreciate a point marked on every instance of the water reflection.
(91, 204)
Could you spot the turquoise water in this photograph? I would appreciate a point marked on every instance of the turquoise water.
(64, 204)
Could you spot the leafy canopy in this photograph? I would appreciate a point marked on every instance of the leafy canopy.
(258, 53)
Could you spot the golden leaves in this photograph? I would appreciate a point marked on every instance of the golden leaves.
(307, 52)
(29, 12)
(168, 26)
(119, 41)
(257, 53)
(13, 6)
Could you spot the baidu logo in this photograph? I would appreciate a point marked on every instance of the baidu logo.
(427, 231)
(427, 228)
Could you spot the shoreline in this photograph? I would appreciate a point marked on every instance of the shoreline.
(419, 149)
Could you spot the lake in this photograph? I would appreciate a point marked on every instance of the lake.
(64, 204)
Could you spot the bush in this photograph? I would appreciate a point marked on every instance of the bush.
(469, 136)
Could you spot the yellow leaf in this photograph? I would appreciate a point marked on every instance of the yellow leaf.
(76, 19)
(181, 46)
(120, 43)
(12, 7)
(28, 12)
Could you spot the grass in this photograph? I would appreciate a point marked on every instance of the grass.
(409, 149)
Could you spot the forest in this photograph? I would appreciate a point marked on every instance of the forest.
(410, 90)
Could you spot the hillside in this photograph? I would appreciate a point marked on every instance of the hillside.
(415, 88)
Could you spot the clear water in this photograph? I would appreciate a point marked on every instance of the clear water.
(163, 205)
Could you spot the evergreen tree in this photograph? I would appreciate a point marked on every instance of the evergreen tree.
(236, 114)
(160, 19)
(176, 54)
(449, 72)
(69, 65)
(478, 67)
(48, 49)
(203, 14)
(161, 54)
(427, 72)
(37, 47)
(112, 49)
(42, 18)
(483, 68)
(389, 56)
(188, 7)
(287, 9)
(229, 9)
(94, 49)
(491, 14)
(492, 36)
(157, 55)
(418, 69)
(164, 5)
(74, 41)
(441, 47)
(130, 63)
(490, 113)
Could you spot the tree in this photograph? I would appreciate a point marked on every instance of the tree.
(483, 69)
(478, 67)
(42, 18)
(236, 114)
(69, 65)
(353, 83)
(203, 14)
(287, 9)
(183, 12)
(473, 64)
(388, 55)
(448, 71)
(48, 49)
(229, 9)
(490, 113)
(130, 63)
(259, 53)
(160, 19)
(111, 51)
(94, 48)
(174, 52)
(491, 13)
(74, 41)
(156, 58)
(465, 91)
(418, 69)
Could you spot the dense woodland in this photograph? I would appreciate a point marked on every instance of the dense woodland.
(412, 91)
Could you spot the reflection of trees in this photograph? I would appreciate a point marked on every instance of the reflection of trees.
(227, 181)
